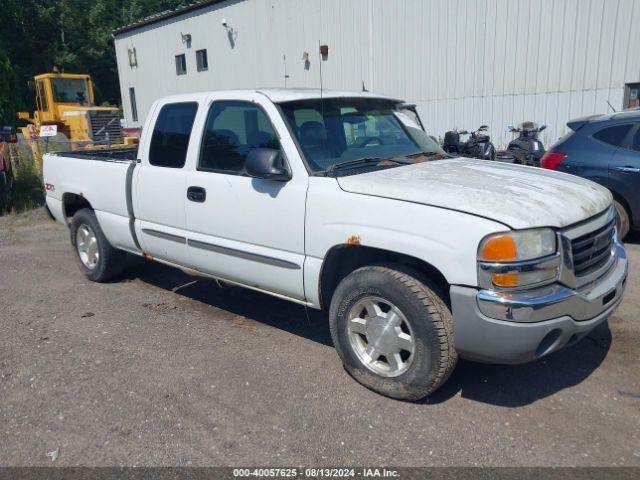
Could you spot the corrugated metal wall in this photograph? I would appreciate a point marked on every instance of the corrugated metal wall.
(464, 62)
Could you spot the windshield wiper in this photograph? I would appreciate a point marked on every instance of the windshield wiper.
(361, 161)
(423, 154)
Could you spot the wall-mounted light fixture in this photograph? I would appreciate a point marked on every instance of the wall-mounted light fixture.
(231, 32)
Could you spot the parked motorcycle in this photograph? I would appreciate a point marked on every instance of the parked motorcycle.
(478, 145)
(525, 149)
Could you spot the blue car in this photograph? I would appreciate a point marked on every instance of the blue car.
(605, 149)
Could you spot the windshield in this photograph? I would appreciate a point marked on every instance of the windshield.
(70, 90)
(338, 130)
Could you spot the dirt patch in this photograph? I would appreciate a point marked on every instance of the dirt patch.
(13, 221)
(161, 308)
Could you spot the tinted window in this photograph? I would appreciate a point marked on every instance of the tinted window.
(70, 90)
(633, 95)
(134, 106)
(201, 60)
(41, 95)
(181, 65)
(171, 134)
(636, 141)
(613, 135)
(233, 129)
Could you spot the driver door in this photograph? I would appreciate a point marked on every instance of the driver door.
(244, 229)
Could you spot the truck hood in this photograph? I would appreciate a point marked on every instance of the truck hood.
(517, 196)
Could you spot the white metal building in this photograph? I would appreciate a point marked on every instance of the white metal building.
(463, 62)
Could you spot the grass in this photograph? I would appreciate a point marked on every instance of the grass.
(28, 191)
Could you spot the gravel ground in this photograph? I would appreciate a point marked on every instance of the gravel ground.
(155, 370)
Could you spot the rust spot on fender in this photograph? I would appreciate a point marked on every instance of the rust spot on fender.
(353, 240)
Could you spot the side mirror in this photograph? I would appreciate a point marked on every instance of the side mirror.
(268, 164)
(542, 128)
(8, 135)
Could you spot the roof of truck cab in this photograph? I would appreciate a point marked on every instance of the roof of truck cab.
(62, 75)
(280, 95)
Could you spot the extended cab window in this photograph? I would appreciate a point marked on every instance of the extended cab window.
(234, 128)
(613, 135)
(171, 135)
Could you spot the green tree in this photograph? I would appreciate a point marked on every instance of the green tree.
(75, 35)
(8, 86)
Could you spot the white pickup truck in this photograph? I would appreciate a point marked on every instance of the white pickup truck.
(340, 201)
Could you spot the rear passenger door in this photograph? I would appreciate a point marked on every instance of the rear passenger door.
(624, 170)
(159, 195)
(245, 229)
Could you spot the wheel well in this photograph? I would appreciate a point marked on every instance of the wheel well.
(72, 202)
(341, 260)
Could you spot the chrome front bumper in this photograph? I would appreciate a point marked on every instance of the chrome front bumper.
(556, 300)
(500, 327)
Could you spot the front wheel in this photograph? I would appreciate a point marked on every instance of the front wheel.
(393, 332)
(97, 258)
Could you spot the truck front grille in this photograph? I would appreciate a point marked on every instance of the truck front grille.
(593, 250)
(105, 126)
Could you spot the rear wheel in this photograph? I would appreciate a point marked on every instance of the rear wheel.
(622, 220)
(393, 332)
(97, 258)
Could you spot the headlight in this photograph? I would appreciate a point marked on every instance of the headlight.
(518, 246)
(518, 259)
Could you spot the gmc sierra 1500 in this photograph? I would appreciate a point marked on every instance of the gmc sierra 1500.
(340, 201)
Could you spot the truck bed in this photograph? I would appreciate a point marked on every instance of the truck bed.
(100, 177)
(104, 154)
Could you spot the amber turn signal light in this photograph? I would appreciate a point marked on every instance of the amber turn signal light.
(501, 248)
(505, 280)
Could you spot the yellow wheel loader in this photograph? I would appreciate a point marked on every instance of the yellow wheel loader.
(66, 100)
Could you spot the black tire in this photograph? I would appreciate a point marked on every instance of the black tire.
(421, 303)
(492, 154)
(622, 220)
(111, 261)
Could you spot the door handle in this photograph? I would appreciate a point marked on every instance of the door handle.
(196, 194)
(624, 169)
